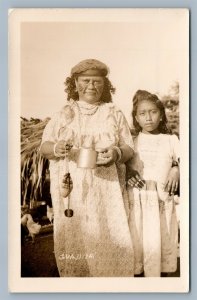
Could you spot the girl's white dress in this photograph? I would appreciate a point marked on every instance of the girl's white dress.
(96, 241)
(152, 219)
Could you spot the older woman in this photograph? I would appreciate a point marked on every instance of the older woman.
(91, 233)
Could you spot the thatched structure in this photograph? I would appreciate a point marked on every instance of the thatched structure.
(33, 164)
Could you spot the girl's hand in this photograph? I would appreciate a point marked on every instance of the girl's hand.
(106, 157)
(62, 149)
(172, 181)
(135, 180)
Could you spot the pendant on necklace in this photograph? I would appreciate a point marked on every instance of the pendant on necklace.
(68, 213)
(66, 188)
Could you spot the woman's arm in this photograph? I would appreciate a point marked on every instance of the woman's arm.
(114, 154)
(52, 150)
(127, 153)
(46, 150)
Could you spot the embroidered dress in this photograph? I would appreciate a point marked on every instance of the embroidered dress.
(96, 241)
(152, 219)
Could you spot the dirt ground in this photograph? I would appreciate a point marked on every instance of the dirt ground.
(38, 260)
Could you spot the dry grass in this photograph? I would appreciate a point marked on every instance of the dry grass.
(33, 164)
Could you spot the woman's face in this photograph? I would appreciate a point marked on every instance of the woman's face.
(148, 116)
(90, 88)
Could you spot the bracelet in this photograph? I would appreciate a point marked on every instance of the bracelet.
(119, 152)
(54, 151)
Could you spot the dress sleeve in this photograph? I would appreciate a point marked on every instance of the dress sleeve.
(50, 133)
(175, 144)
(57, 126)
(124, 131)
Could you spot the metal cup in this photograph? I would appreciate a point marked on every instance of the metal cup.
(87, 158)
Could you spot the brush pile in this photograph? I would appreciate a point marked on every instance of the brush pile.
(33, 164)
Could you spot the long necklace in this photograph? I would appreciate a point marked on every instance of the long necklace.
(87, 172)
(67, 180)
(81, 119)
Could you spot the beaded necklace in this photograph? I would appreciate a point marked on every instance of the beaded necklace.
(89, 111)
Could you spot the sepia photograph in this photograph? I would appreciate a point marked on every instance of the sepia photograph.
(99, 150)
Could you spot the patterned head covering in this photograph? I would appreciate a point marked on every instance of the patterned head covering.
(90, 67)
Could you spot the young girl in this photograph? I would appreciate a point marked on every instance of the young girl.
(152, 221)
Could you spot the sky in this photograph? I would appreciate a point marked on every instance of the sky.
(145, 53)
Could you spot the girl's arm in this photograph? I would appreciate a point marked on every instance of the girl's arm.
(133, 177)
(172, 181)
(135, 180)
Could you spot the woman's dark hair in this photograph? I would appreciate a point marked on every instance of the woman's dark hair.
(141, 95)
(72, 93)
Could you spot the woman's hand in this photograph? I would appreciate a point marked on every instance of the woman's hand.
(172, 181)
(62, 149)
(106, 157)
(135, 180)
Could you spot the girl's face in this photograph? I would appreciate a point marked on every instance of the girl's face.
(148, 117)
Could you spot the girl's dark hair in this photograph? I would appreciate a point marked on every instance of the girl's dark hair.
(72, 93)
(141, 95)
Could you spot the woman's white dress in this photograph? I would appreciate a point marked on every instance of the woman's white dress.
(152, 219)
(96, 241)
